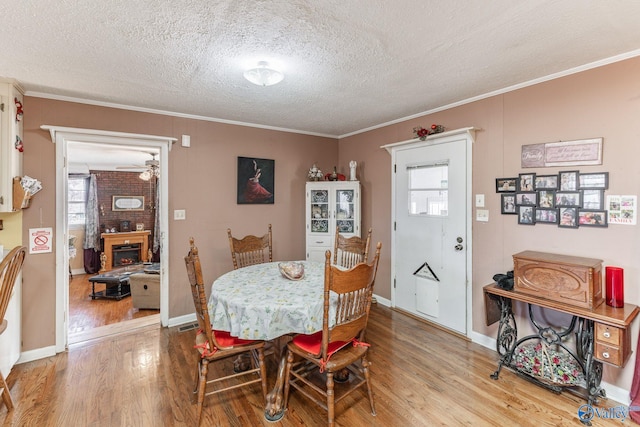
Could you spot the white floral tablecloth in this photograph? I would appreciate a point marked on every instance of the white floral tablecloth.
(256, 302)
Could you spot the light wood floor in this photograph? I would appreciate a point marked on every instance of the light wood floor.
(89, 318)
(421, 376)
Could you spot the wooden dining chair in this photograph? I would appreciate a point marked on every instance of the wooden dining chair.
(9, 269)
(213, 345)
(250, 249)
(338, 346)
(348, 252)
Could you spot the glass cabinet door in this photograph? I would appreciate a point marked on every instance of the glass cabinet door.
(320, 211)
(345, 210)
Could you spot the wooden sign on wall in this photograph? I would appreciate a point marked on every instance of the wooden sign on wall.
(564, 153)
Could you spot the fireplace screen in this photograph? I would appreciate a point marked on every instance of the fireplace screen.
(126, 254)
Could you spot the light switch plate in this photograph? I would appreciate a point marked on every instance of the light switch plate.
(479, 200)
(179, 214)
(186, 140)
(482, 215)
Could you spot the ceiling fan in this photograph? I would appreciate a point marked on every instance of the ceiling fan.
(152, 168)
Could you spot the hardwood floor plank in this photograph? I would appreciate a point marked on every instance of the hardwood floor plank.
(422, 376)
(90, 319)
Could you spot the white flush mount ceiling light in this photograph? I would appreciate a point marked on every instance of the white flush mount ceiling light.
(262, 75)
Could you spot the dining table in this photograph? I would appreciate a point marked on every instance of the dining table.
(257, 302)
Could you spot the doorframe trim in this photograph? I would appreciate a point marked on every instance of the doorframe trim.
(436, 139)
(61, 136)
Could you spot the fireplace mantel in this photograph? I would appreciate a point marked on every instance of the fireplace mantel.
(128, 238)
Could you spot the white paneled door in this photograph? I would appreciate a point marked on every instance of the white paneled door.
(430, 238)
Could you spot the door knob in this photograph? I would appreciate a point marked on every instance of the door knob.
(458, 247)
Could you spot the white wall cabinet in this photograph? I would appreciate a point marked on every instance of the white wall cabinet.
(330, 204)
(10, 132)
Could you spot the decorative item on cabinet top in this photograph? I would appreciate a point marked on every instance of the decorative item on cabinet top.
(334, 176)
(314, 174)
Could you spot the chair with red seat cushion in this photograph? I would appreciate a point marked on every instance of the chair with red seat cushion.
(340, 344)
(216, 345)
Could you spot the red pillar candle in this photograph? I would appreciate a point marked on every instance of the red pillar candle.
(615, 286)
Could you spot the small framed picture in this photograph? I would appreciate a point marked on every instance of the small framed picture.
(508, 204)
(546, 182)
(592, 218)
(526, 182)
(568, 180)
(547, 198)
(594, 181)
(139, 226)
(568, 199)
(529, 199)
(593, 199)
(526, 215)
(568, 217)
(506, 185)
(546, 216)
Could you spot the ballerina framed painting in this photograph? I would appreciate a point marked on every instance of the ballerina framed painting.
(255, 181)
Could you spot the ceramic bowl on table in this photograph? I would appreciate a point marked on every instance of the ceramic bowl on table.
(292, 270)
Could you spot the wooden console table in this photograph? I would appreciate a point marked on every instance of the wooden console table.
(602, 334)
(125, 238)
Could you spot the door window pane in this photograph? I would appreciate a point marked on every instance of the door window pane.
(429, 190)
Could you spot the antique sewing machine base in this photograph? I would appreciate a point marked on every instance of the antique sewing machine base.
(507, 343)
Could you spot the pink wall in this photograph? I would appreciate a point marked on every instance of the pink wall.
(202, 181)
(603, 102)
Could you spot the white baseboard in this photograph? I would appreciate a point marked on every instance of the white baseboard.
(483, 340)
(37, 354)
(616, 393)
(181, 320)
(382, 301)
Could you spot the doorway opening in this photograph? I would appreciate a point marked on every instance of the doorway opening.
(118, 171)
(65, 138)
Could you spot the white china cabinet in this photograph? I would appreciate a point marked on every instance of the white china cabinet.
(330, 204)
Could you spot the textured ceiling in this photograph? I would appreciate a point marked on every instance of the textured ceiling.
(349, 65)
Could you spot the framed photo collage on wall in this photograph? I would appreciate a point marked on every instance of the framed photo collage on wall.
(569, 199)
